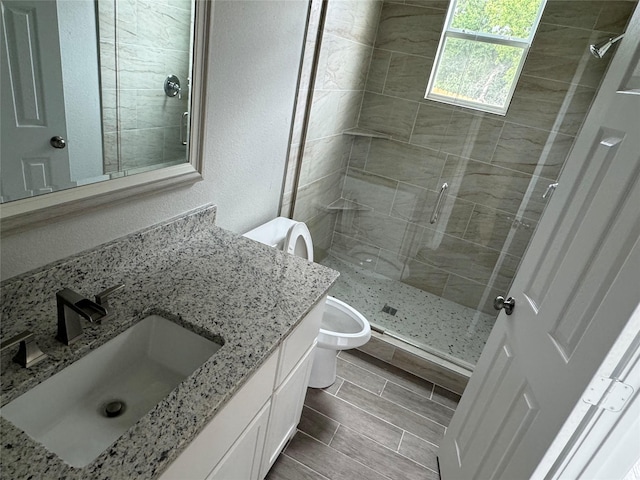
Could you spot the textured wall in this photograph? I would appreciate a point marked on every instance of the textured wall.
(497, 167)
(347, 44)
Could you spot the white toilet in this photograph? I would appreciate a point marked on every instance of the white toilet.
(342, 326)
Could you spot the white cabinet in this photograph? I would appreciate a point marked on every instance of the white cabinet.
(242, 461)
(244, 439)
(286, 408)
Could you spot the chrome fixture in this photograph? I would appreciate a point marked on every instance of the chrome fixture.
(184, 125)
(599, 49)
(508, 304)
(436, 208)
(72, 306)
(551, 188)
(58, 142)
(172, 86)
(28, 352)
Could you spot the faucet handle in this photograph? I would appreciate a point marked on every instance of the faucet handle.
(28, 352)
(102, 298)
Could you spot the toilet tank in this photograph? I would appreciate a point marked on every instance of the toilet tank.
(272, 233)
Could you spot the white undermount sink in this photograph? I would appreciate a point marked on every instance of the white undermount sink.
(83, 409)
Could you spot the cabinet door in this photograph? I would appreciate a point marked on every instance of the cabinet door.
(242, 461)
(286, 408)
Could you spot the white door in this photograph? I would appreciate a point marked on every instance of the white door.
(577, 286)
(32, 100)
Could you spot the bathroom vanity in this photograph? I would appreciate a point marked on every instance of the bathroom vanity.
(234, 414)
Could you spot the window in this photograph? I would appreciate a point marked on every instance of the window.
(482, 51)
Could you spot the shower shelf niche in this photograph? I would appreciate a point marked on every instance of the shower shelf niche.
(363, 132)
(342, 204)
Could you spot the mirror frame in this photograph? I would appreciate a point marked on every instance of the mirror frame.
(31, 212)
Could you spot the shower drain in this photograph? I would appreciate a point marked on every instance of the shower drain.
(114, 408)
(390, 310)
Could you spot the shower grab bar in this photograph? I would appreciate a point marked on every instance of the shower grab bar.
(183, 127)
(436, 208)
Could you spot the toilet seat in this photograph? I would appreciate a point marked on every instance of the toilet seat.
(298, 241)
(342, 326)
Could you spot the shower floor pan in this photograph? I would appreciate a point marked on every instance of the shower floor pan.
(425, 320)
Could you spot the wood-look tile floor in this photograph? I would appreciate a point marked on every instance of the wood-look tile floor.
(376, 422)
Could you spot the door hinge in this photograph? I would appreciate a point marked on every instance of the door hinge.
(608, 393)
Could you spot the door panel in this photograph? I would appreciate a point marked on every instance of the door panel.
(573, 296)
(32, 100)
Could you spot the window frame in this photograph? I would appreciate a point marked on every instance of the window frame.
(451, 32)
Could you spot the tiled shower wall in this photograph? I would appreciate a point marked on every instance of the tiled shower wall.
(149, 41)
(497, 167)
(347, 44)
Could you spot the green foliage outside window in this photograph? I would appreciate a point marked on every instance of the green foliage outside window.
(479, 68)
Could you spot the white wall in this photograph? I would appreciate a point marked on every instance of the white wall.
(254, 62)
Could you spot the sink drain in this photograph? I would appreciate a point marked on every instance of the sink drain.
(114, 408)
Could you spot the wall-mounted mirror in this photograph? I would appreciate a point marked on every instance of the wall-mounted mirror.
(94, 92)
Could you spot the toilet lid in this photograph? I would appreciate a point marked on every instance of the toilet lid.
(298, 241)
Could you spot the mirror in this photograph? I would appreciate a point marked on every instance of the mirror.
(98, 98)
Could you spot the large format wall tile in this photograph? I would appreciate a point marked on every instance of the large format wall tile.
(353, 250)
(332, 112)
(410, 29)
(472, 136)
(471, 294)
(562, 53)
(583, 14)
(174, 150)
(550, 105)
(583, 70)
(412, 272)
(356, 20)
(155, 109)
(485, 184)
(408, 76)
(342, 64)
(383, 231)
(405, 163)
(324, 156)
(417, 205)
(313, 198)
(359, 152)
(378, 68)
(492, 228)
(457, 256)
(614, 16)
(321, 228)
(393, 116)
(368, 189)
(532, 150)
(431, 124)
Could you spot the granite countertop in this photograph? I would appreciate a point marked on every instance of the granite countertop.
(211, 281)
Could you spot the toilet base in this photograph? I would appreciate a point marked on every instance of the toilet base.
(323, 369)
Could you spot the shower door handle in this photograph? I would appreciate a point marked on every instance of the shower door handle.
(183, 127)
(436, 208)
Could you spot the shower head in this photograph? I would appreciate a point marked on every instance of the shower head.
(599, 49)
